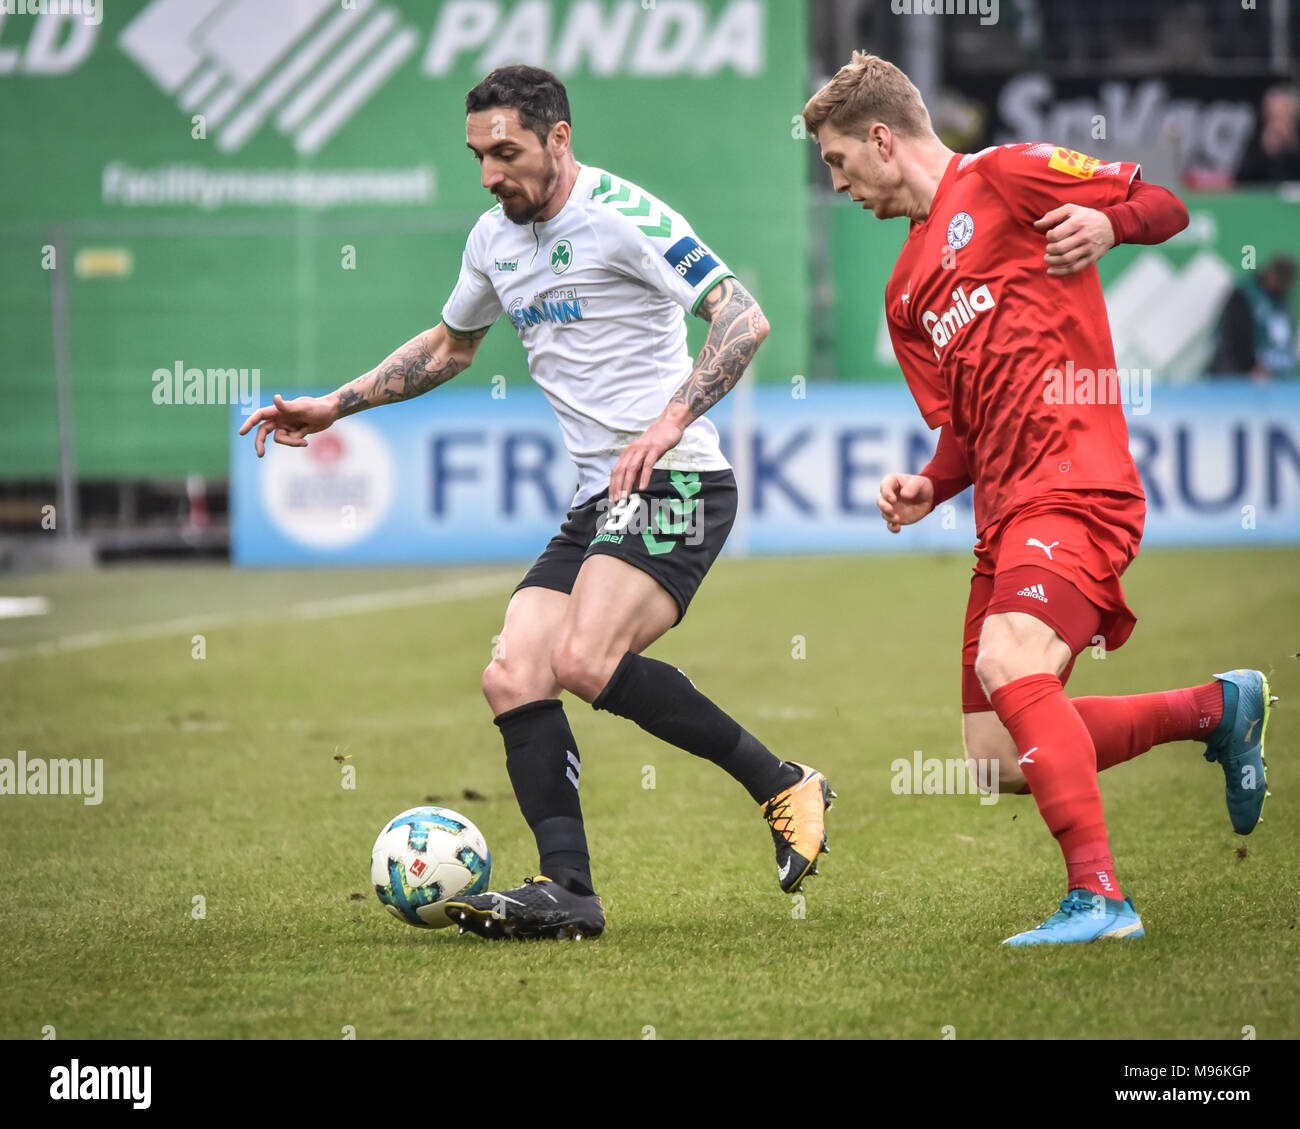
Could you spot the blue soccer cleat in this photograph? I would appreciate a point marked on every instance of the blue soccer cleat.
(1084, 917)
(1238, 745)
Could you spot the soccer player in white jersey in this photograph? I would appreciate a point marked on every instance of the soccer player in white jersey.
(594, 274)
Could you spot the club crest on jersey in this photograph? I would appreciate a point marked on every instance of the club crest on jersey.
(561, 256)
(941, 327)
(960, 229)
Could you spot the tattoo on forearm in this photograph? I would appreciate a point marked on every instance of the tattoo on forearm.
(351, 401)
(410, 371)
(736, 330)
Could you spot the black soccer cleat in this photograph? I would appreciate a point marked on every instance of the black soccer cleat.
(539, 908)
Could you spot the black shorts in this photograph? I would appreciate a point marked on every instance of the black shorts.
(674, 530)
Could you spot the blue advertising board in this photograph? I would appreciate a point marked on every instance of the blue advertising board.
(480, 474)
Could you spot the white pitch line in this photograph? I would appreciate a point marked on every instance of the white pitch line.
(465, 589)
(13, 607)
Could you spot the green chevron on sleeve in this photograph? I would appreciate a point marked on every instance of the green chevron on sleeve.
(662, 230)
(637, 208)
(637, 205)
(623, 193)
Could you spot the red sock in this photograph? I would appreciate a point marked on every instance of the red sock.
(1122, 728)
(1060, 765)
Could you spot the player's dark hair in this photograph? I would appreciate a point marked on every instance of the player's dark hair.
(538, 95)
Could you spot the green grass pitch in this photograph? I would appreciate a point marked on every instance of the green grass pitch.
(221, 782)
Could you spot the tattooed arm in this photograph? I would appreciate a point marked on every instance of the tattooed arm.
(424, 362)
(737, 328)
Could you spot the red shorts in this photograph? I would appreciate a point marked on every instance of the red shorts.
(1059, 558)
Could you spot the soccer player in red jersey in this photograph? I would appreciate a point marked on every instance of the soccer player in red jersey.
(997, 318)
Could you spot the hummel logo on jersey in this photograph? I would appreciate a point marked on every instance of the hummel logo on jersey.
(507, 264)
(941, 327)
(1046, 548)
(308, 65)
(1034, 592)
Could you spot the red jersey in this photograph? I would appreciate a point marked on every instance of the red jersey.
(1000, 350)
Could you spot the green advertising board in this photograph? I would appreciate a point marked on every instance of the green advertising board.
(284, 187)
(1163, 301)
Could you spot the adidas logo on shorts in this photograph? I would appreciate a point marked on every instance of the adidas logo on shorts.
(1034, 592)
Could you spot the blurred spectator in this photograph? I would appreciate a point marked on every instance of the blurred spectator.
(1257, 330)
(1274, 156)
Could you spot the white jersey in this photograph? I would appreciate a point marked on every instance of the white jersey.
(596, 294)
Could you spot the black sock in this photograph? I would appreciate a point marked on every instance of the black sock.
(662, 701)
(542, 759)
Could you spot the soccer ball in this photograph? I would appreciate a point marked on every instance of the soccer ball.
(422, 858)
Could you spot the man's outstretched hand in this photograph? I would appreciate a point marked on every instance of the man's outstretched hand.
(291, 421)
(1076, 238)
(904, 499)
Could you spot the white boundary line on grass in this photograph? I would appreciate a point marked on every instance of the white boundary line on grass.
(14, 607)
(464, 589)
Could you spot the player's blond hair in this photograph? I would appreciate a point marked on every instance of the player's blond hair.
(867, 90)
